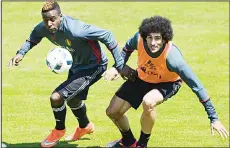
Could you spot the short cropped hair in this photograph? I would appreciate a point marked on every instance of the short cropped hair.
(51, 5)
(156, 24)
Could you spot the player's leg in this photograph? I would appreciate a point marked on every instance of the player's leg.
(116, 112)
(59, 111)
(76, 91)
(130, 94)
(76, 83)
(160, 92)
(148, 117)
(78, 108)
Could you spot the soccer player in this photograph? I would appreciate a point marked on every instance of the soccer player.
(161, 69)
(89, 63)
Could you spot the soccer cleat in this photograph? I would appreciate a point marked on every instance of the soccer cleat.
(52, 139)
(79, 132)
(119, 144)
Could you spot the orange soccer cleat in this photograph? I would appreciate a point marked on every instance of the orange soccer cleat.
(52, 139)
(79, 132)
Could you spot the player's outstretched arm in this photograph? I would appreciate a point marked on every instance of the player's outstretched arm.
(35, 37)
(217, 125)
(176, 63)
(15, 60)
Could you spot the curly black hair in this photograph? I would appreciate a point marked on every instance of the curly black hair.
(51, 5)
(156, 24)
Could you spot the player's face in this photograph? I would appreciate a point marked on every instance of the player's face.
(154, 42)
(52, 20)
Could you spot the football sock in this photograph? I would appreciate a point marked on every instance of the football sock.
(59, 115)
(127, 137)
(143, 140)
(80, 114)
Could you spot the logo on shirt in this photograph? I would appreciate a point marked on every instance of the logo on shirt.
(68, 42)
(150, 69)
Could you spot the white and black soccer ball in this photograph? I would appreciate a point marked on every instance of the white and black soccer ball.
(59, 60)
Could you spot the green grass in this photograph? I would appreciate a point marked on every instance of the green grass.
(201, 32)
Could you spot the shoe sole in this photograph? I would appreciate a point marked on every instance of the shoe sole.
(48, 146)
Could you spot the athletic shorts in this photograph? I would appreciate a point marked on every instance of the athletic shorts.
(133, 92)
(77, 84)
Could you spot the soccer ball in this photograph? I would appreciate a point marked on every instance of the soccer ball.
(59, 60)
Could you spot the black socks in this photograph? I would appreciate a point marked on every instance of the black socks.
(59, 115)
(80, 114)
(143, 140)
(127, 138)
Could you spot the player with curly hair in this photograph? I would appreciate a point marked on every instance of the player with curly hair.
(89, 64)
(158, 77)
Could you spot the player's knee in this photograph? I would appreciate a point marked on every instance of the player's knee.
(151, 100)
(148, 104)
(108, 112)
(112, 114)
(74, 103)
(56, 99)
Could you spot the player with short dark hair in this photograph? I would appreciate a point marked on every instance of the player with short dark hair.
(158, 77)
(89, 63)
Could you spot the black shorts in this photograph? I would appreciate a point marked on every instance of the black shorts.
(133, 92)
(77, 84)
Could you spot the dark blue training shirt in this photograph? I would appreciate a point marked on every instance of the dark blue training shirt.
(81, 40)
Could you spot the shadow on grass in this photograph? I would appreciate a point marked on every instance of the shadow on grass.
(60, 144)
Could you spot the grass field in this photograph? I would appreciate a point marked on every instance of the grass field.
(201, 32)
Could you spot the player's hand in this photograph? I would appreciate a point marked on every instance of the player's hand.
(111, 74)
(217, 125)
(15, 60)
